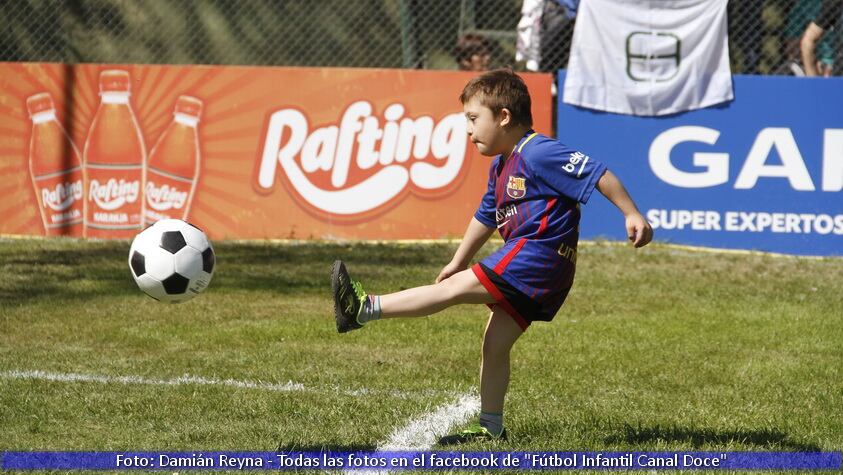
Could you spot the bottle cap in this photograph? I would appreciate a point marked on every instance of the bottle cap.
(39, 103)
(114, 80)
(189, 105)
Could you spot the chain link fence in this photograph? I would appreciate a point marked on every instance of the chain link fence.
(764, 34)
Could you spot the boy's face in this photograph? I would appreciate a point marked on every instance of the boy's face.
(485, 130)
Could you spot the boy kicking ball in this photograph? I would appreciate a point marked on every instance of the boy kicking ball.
(536, 185)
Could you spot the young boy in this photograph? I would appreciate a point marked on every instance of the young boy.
(535, 187)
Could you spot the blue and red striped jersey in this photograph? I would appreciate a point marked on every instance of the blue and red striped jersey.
(533, 199)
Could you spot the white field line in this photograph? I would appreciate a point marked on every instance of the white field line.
(180, 381)
(422, 433)
(418, 434)
(198, 380)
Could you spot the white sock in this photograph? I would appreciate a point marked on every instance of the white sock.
(492, 422)
(371, 310)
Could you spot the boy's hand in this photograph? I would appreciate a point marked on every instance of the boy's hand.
(638, 230)
(449, 270)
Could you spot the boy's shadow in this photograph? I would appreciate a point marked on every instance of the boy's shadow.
(764, 438)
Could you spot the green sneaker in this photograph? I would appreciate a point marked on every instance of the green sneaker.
(475, 433)
(348, 298)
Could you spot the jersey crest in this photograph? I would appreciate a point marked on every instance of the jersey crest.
(516, 187)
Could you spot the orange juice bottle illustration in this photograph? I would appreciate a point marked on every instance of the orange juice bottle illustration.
(114, 157)
(173, 166)
(56, 170)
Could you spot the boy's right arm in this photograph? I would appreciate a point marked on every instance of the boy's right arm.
(638, 229)
(475, 236)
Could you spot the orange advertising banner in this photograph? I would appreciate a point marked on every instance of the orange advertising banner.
(241, 152)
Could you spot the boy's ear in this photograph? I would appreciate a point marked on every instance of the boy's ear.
(505, 117)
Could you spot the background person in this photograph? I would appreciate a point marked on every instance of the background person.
(827, 20)
(473, 52)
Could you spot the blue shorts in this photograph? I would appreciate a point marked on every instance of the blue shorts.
(529, 280)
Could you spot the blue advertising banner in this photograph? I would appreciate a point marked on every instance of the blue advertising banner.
(763, 172)
(419, 460)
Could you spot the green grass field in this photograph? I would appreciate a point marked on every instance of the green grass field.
(660, 348)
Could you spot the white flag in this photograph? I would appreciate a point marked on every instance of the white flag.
(649, 57)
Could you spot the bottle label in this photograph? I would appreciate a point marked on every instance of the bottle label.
(60, 195)
(167, 195)
(114, 196)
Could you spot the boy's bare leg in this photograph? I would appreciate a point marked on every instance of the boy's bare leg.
(462, 287)
(501, 333)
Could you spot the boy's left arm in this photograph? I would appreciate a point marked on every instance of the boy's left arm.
(637, 228)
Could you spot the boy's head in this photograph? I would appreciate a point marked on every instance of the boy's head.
(497, 107)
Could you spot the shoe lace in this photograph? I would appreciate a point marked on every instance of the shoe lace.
(475, 429)
(358, 289)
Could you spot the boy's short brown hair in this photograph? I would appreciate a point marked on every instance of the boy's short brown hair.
(501, 89)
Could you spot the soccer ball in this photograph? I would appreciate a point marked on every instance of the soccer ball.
(172, 261)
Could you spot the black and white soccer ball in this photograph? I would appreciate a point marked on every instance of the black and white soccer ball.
(172, 261)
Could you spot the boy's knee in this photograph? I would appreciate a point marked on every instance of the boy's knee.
(495, 345)
(500, 336)
(453, 287)
(446, 289)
